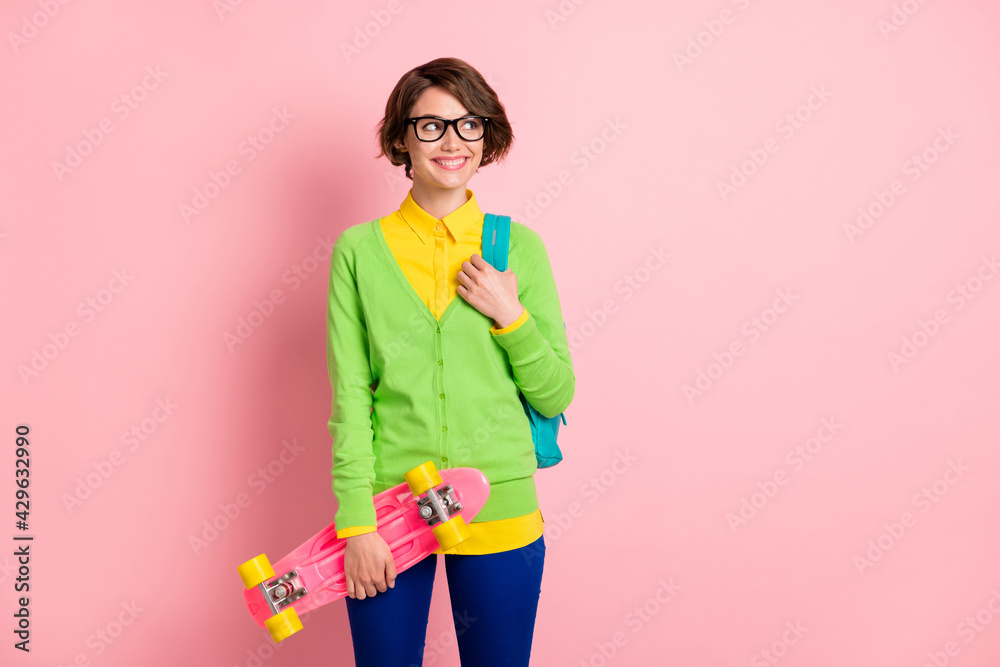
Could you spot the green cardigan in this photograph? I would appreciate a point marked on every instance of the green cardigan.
(408, 388)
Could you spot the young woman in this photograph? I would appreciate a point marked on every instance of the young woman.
(418, 374)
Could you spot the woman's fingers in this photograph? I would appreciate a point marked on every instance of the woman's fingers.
(390, 577)
(369, 568)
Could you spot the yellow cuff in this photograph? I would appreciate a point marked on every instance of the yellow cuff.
(515, 324)
(355, 530)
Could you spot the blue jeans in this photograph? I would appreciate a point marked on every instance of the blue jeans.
(494, 598)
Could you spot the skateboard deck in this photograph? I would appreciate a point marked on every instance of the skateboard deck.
(429, 510)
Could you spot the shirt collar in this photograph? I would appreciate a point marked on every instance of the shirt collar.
(458, 222)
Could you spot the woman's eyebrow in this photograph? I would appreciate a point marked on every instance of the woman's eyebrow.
(427, 115)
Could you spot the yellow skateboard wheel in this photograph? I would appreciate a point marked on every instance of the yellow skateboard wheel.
(284, 624)
(451, 532)
(425, 476)
(255, 571)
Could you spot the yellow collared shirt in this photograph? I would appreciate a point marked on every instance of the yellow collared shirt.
(431, 252)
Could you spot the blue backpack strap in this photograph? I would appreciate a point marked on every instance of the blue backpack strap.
(544, 430)
(496, 240)
(489, 224)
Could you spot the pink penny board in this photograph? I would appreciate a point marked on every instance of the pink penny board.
(320, 560)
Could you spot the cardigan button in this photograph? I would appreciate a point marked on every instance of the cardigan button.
(444, 428)
(441, 396)
(440, 362)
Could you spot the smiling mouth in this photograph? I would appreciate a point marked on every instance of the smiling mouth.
(453, 163)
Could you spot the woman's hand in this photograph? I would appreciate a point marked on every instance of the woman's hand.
(368, 565)
(489, 291)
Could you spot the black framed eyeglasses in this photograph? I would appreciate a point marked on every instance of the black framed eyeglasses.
(432, 128)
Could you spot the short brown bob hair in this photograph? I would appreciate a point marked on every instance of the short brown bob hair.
(461, 80)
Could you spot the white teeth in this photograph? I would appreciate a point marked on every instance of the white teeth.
(451, 163)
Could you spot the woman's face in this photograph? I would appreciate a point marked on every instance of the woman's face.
(426, 157)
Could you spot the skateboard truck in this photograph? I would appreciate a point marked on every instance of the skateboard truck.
(282, 592)
(278, 595)
(438, 507)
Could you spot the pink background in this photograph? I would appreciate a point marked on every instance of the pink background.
(646, 562)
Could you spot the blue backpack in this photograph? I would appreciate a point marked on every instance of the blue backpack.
(544, 430)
